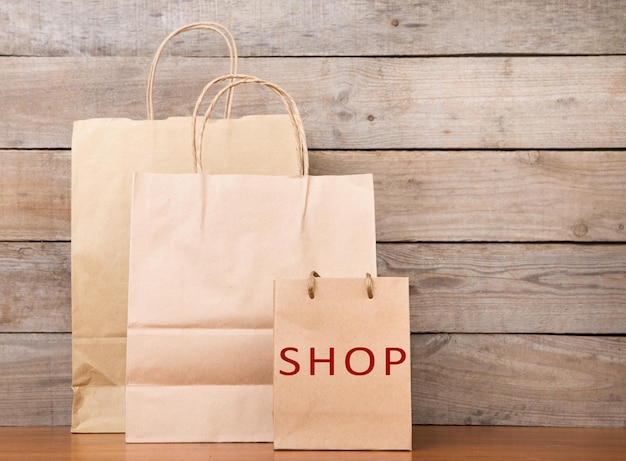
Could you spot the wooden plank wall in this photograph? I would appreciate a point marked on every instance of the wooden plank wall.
(496, 131)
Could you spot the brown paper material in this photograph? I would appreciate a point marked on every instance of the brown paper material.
(365, 404)
(204, 252)
(105, 154)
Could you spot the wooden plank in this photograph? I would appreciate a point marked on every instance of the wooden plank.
(491, 195)
(457, 379)
(285, 28)
(519, 380)
(420, 195)
(35, 384)
(511, 288)
(346, 103)
(495, 443)
(35, 288)
(35, 198)
(430, 443)
(463, 288)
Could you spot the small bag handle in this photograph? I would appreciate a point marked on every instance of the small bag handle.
(369, 285)
(239, 79)
(212, 26)
(311, 284)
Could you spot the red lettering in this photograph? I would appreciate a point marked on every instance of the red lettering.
(349, 366)
(296, 365)
(330, 360)
(388, 361)
(393, 356)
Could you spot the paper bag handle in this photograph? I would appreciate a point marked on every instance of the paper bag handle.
(238, 79)
(311, 285)
(213, 26)
(369, 284)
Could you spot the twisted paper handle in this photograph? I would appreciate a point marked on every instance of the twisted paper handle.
(213, 26)
(239, 79)
(311, 287)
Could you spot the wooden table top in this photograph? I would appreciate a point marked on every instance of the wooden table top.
(430, 443)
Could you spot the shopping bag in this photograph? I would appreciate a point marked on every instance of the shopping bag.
(105, 153)
(204, 252)
(342, 368)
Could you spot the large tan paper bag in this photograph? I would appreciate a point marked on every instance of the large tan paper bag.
(204, 252)
(105, 153)
(342, 368)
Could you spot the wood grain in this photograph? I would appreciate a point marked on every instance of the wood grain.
(35, 288)
(519, 380)
(420, 195)
(430, 443)
(279, 28)
(511, 288)
(35, 198)
(471, 288)
(491, 195)
(35, 383)
(346, 103)
(437, 443)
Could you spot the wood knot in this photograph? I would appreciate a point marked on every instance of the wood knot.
(531, 157)
(345, 115)
(371, 118)
(566, 101)
(395, 23)
(25, 252)
(580, 230)
(344, 112)
(343, 96)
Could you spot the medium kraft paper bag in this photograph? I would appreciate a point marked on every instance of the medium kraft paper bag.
(342, 367)
(204, 252)
(105, 154)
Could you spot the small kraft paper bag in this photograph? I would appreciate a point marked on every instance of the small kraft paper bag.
(105, 154)
(342, 367)
(204, 251)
